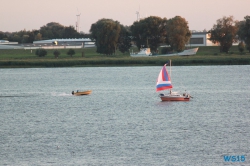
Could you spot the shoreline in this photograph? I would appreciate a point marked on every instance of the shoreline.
(89, 58)
(120, 62)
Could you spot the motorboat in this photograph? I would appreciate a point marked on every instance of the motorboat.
(80, 93)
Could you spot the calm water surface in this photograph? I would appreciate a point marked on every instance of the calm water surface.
(123, 122)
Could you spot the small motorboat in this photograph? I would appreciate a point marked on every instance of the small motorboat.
(80, 93)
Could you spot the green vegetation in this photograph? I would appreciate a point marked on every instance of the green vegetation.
(149, 32)
(56, 53)
(205, 56)
(71, 52)
(41, 52)
(106, 33)
(224, 32)
(244, 31)
(178, 33)
(241, 47)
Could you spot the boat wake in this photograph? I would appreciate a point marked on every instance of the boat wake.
(12, 96)
(60, 94)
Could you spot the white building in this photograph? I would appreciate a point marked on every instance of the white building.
(200, 39)
(76, 41)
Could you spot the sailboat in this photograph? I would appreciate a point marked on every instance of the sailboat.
(164, 83)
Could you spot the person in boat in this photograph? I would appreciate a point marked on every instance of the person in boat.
(185, 94)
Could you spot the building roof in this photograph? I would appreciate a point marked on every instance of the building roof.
(64, 40)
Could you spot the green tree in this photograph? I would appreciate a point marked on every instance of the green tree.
(31, 36)
(2, 36)
(15, 37)
(241, 47)
(71, 52)
(124, 41)
(248, 47)
(69, 32)
(38, 36)
(178, 33)
(56, 53)
(52, 30)
(22, 36)
(149, 32)
(41, 52)
(244, 31)
(224, 32)
(106, 32)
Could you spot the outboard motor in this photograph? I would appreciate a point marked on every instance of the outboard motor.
(72, 92)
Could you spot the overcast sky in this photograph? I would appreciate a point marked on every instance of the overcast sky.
(17, 15)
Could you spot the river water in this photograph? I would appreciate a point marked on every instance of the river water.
(123, 122)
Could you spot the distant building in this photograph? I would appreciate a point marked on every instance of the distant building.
(5, 44)
(200, 39)
(4, 41)
(84, 42)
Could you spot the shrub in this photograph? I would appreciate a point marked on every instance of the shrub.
(41, 52)
(71, 52)
(56, 53)
(166, 50)
(248, 47)
(241, 47)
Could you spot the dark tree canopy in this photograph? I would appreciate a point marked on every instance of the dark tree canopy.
(241, 47)
(124, 41)
(149, 32)
(69, 32)
(41, 52)
(224, 32)
(178, 33)
(71, 52)
(52, 30)
(49, 31)
(106, 33)
(56, 53)
(244, 31)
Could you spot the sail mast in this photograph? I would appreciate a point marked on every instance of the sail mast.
(170, 74)
(170, 67)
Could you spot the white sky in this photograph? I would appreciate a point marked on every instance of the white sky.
(17, 15)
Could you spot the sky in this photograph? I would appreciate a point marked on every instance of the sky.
(17, 15)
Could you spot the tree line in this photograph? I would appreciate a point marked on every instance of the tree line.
(228, 31)
(150, 32)
(51, 30)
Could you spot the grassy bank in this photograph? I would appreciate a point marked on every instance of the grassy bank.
(205, 56)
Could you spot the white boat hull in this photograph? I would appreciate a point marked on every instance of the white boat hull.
(174, 97)
(192, 51)
(144, 52)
